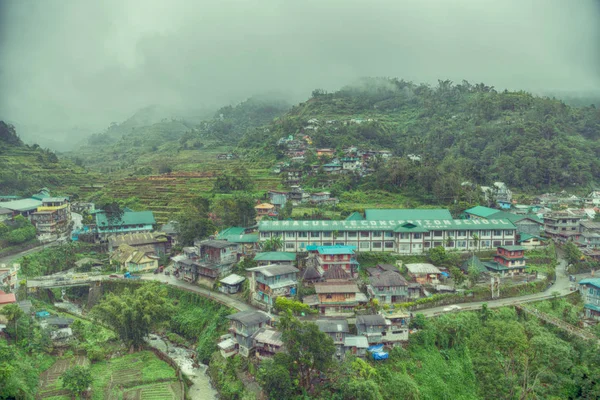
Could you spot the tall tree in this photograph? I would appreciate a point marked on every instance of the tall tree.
(311, 349)
(13, 313)
(133, 314)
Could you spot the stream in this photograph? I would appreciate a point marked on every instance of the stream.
(201, 388)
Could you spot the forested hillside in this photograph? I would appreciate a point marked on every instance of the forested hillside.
(146, 143)
(464, 132)
(25, 169)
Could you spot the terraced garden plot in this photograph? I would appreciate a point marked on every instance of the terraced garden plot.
(131, 373)
(169, 194)
(159, 391)
(50, 383)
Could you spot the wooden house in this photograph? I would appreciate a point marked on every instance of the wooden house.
(267, 342)
(424, 273)
(336, 298)
(231, 283)
(388, 287)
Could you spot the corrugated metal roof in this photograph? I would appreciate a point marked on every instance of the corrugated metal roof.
(275, 256)
(332, 325)
(591, 281)
(371, 320)
(422, 268)
(388, 278)
(355, 216)
(336, 287)
(336, 249)
(360, 342)
(512, 248)
(22, 205)
(250, 317)
(406, 214)
(481, 211)
(384, 225)
(128, 218)
(274, 269)
(269, 336)
(232, 279)
(335, 272)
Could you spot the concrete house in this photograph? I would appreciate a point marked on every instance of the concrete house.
(508, 260)
(9, 276)
(562, 225)
(590, 292)
(343, 256)
(377, 329)
(216, 258)
(243, 325)
(130, 221)
(271, 281)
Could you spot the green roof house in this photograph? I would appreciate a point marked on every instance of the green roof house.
(275, 257)
(409, 214)
(130, 221)
(473, 262)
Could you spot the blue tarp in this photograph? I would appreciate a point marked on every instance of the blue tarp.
(447, 275)
(380, 355)
(42, 314)
(375, 348)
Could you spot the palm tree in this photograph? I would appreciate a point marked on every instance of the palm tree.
(273, 244)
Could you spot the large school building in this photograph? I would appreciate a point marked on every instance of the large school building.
(409, 231)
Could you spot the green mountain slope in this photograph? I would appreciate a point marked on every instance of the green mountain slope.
(465, 132)
(147, 143)
(25, 169)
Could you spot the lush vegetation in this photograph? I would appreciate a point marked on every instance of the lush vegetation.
(461, 132)
(132, 314)
(18, 231)
(488, 354)
(55, 259)
(25, 169)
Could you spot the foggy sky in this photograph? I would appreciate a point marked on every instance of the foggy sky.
(81, 64)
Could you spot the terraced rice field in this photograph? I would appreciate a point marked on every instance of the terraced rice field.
(168, 194)
(50, 383)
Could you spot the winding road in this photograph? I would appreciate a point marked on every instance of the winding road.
(561, 286)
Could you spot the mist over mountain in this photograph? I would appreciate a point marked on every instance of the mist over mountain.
(72, 67)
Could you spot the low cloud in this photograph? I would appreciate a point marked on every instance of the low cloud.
(81, 64)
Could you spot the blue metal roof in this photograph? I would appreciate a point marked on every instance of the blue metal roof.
(591, 281)
(336, 249)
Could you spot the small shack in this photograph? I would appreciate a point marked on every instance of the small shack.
(231, 284)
